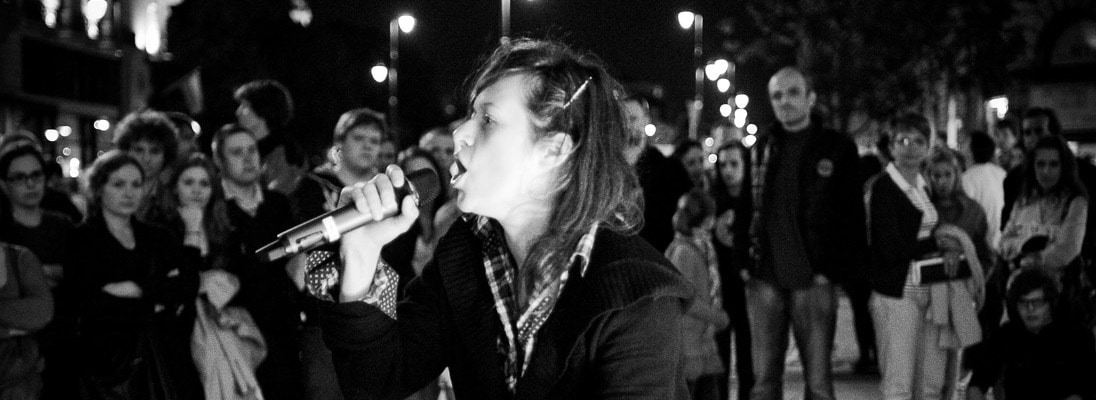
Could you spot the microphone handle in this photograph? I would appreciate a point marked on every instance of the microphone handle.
(326, 228)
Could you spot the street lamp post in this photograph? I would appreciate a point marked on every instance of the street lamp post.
(505, 21)
(696, 21)
(405, 23)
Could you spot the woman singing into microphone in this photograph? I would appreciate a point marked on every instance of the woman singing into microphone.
(540, 290)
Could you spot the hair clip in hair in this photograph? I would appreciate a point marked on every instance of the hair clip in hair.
(578, 92)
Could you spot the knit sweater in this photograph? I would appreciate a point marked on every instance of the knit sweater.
(615, 332)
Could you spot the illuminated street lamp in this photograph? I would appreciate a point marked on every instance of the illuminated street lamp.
(741, 100)
(379, 73)
(94, 11)
(504, 21)
(687, 19)
(406, 24)
(723, 84)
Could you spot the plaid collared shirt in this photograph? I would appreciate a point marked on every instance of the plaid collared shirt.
(498, 263)
(519, 338)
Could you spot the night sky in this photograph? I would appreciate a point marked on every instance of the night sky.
(326, 65)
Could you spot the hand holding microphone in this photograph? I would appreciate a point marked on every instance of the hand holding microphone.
(376, 203)
(391, 215)
(361, 248)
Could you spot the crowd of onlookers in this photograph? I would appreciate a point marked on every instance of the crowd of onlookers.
(967, 271)
(145, 285)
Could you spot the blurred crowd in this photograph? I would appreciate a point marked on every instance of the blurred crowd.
(968, 272)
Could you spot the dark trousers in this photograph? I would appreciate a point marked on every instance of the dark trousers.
(812, 313)
(734, 302)
(859, 293)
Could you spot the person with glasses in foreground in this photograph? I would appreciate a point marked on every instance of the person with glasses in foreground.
(1037, 356)
(540, 290)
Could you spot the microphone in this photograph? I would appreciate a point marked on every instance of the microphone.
(330, 226)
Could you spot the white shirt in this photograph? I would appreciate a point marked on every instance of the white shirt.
(247, 198)
(985, 184)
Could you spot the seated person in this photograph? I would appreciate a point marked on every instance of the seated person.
(1036, 356)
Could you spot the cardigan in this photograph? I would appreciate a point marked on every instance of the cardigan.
(893, 225)
(615, 332)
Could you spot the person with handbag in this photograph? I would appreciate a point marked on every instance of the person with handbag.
(904, 233)
(26, 306)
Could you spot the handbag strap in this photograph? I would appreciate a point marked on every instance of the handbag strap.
(13, 263)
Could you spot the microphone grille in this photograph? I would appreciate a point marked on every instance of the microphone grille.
(424, 183)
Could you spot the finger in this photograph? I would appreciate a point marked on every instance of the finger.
(387, 193)
(372, 197)
(353, 195)
(396, 175)
(409, 210)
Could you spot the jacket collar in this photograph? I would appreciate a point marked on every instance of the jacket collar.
(618, 276)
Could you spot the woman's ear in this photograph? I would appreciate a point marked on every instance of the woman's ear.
(555, 148)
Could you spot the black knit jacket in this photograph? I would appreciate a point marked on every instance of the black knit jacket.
(894, 223)
(615, 332)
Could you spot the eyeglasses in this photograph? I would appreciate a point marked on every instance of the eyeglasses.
(32, 178)
(908, 141)
(1035, 303)
(1034, 131)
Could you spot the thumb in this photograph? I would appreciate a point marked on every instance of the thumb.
(409, 211)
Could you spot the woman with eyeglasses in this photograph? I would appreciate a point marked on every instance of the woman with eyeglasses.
(903, 230)
(133, 283)
(46, 234)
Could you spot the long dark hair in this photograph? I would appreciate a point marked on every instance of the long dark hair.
(720, 188)
(214, 216)
(571, 93)
(1069, 183)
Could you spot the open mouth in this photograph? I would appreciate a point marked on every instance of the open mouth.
(457, 170)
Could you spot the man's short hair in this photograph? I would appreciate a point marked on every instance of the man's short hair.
(982, 147)
(808, 82)
(436, 131)
(913, 122)
(269, 99)
(1029, 281)
(1052, 118)
(149, 125)
(359, 117)
(222, 134)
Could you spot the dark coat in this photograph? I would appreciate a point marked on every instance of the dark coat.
(830, 212)
(663, 181)
(616, 332)
(128, 345)
(894, 223)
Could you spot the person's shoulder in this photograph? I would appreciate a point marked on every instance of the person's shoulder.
(55, 219)
(633, 269)
(881, 180)
(275, 198)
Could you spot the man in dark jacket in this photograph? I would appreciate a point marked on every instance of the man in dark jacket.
(808, 229)
(663, 179)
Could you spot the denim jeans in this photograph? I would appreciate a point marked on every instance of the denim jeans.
(813, 314)
(912, 362)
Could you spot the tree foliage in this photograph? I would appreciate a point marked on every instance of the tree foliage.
(874, 57)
